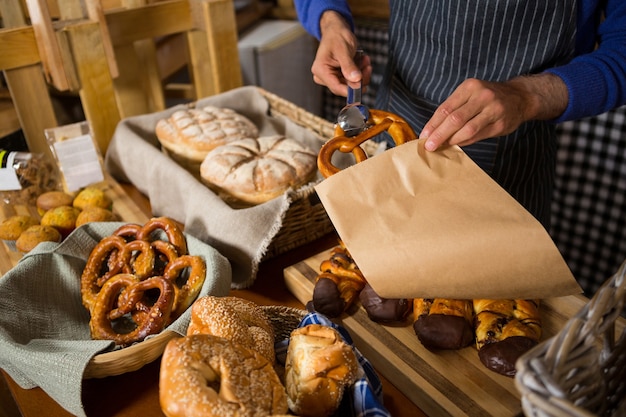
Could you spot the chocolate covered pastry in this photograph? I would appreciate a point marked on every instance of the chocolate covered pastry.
(443, 323)
(505, 329)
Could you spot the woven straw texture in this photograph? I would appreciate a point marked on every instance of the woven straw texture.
(284, 319)
(581, 371)
(306, 218)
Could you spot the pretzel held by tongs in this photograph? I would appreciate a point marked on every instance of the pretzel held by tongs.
(379, 121)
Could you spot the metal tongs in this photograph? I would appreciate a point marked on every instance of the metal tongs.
(353, 117)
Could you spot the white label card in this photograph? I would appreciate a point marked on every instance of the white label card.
(79, 162)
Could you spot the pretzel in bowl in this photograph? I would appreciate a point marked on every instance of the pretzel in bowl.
(134, 284)
(106, 308)
(379, 122)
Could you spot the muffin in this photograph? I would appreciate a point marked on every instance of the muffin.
(52, 199)
(36, 234)
(95, 214)
(62, 218)
(92, 196)
(12, 227)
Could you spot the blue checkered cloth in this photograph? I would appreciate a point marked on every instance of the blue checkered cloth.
(366, 396)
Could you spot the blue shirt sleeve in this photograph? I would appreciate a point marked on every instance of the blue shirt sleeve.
(310, 12)
(596, 78)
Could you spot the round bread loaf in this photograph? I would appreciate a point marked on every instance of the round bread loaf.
(256, 170)
(189, 134)
(205, 375)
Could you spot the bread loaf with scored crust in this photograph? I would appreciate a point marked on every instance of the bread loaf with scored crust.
(255, 170)
(190, 134)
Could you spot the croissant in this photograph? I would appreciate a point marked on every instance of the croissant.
(339, 283)
(505, 329)
(442, 323)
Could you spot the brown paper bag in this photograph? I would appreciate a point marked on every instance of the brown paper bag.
(433, 224)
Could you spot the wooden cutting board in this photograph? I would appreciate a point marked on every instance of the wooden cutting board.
(442, 383)
(123, 205)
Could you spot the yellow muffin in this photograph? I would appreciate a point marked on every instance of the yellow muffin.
(92, 196)
(12, 227)
(34, 235)
(52, 199)
(95, 214)
(62, 218)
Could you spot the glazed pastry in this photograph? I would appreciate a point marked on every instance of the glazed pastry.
(339, 283)
(442, 323)
(384, 310)
(505, 329)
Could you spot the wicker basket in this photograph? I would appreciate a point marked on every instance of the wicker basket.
(284, 320)
(581, 371)
(306, 218)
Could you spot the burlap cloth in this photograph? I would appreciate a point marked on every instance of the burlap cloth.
(242, 235)
(44, 328)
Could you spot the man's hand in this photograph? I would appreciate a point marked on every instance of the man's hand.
(334, 64)
(479, 110)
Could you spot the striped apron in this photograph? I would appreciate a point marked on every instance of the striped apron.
(436, 44)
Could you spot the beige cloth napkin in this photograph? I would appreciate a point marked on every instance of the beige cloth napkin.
(44, 328)
(433, 224)
(242, 235)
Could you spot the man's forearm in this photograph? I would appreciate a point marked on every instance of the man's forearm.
(546, 95)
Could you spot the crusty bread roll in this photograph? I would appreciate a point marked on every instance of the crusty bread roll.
(318, 369)
(235, 319)
(256, 170)
(189, 134)
(209, 376)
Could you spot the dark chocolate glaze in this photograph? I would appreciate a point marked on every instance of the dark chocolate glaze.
(327, 298)
(440, 331)
(501, 356)
(384, 310)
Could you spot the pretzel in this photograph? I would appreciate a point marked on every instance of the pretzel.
(101, 324)
(165, 253)
(187, 291)
(113, 282)
(172, 231)
(127, 231)
(137, 257)
(106, 252)
(379, 121)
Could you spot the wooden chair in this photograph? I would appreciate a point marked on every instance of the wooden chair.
(113, 56)
(22, 68)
